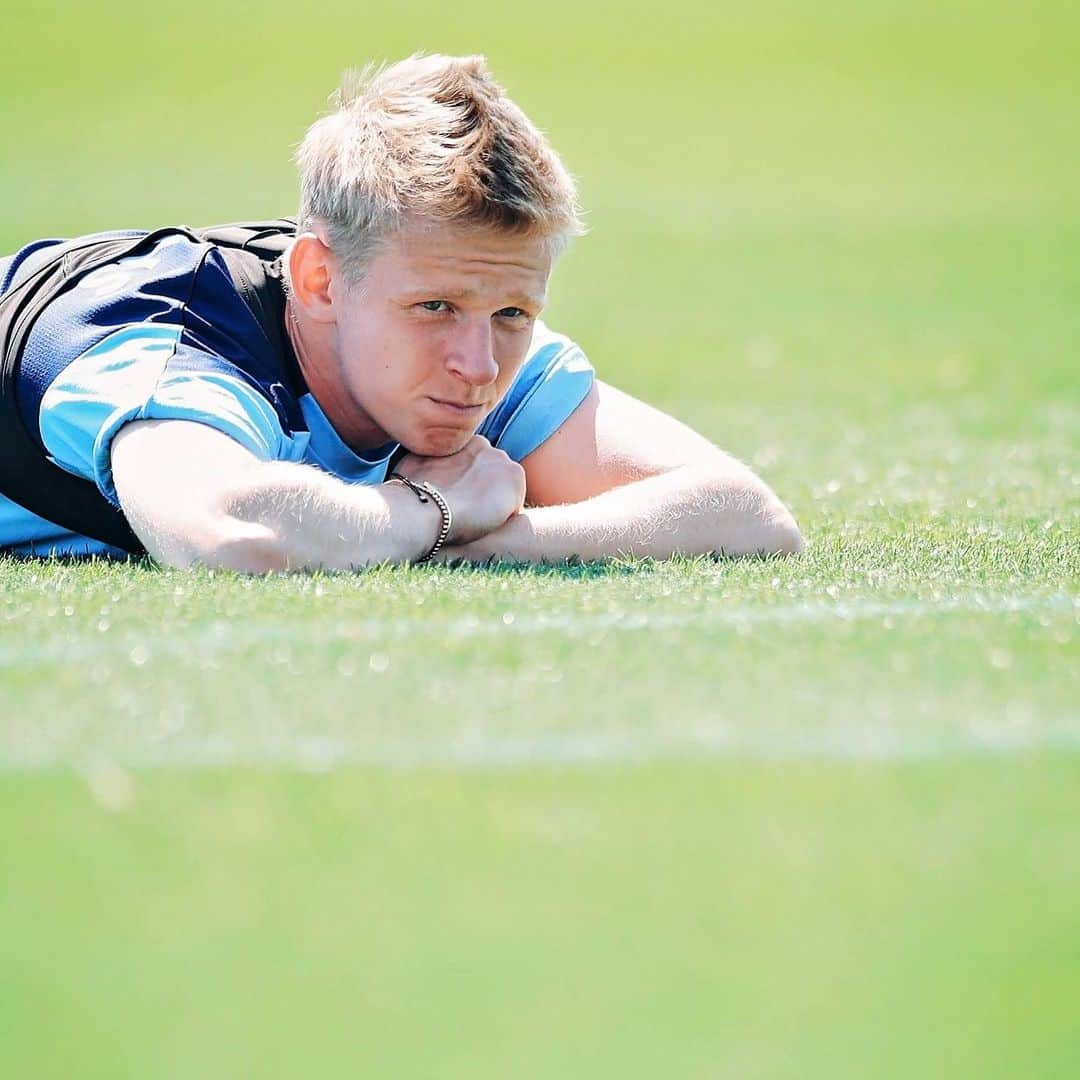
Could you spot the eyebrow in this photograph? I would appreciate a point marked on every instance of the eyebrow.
(516, 299)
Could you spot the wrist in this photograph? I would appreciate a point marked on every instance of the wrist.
(428, 496)
(515, 540)
(414, 525)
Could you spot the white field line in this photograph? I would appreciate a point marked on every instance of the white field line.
(221, 637)
(311, 752)
(876, 739)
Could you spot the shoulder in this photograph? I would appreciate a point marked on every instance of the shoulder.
(161, 335)
(175, 304)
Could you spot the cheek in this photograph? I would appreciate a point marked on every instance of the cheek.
(510, 362)
(416, 356)
(386, 362)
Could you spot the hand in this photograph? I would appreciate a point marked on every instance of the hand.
(481, 484)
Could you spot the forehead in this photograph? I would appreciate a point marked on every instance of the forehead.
(470, 259)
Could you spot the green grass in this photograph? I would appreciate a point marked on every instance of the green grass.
(813, 817)
(948, 639)
(702, 919)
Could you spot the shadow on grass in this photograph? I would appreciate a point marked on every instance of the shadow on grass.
(620, 566)
(569, 569)
(138, 562)
(572, 569)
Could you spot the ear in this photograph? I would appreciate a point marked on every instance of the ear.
(312, 268)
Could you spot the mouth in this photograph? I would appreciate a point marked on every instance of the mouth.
(463, 409)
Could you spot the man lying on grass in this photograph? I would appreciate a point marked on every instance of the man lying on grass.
(396, 398)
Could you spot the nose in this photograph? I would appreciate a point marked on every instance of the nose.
(472, 357)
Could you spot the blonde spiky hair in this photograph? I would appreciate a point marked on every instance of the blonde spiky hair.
(431, 138)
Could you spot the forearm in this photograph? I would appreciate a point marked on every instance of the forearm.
(691, 510)
(195, 495)
(279, 516)
(293, 517)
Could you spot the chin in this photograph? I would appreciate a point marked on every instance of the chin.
(439, 443)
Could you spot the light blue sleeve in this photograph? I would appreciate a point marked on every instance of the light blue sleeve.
(552, 383)
(128, 376)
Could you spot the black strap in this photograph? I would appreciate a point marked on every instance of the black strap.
(27, 475)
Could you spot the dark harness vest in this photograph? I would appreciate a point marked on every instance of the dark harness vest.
(252, 252)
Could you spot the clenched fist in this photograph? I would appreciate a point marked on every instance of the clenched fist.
(481, 484)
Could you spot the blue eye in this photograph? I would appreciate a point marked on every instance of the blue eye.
(512, 313)
(435, 305)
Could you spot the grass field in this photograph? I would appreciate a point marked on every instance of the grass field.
(815, 817)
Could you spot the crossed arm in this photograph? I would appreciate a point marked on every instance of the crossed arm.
(618, 477)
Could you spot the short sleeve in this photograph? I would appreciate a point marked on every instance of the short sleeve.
(552, 383)
(144, 372)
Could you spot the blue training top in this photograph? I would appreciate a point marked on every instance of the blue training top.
(166, 336)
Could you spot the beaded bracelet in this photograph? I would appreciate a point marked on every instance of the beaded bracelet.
(425, 493)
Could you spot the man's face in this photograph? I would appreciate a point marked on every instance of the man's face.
(435, 334)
